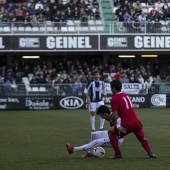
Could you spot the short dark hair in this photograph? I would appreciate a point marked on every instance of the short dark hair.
(103, 109)
(116, 84)
(95, 72)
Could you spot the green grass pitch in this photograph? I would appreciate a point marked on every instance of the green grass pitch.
(35, 140)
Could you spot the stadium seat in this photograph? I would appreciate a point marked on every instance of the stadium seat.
(55, 29)
(71, 29)
(100, 28)
(92, 28)
(143, 5)
(42, 89)
(29, 89)
(50, 29)
(84, 29)
(42, 29)
(1, 29)
(70, 23)
(48, 23)
(28, 29)
(77, 22)
(35, 29)
(90, 22)
(30, 76)
(21, 29)
(114, 9)
(78, 28)
(64, 29)
(99, 22)
(14, 29)
(145, 10)
(7, 29)
(35, 89)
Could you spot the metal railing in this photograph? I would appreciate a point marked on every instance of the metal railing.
(90, 27)
(65, 89)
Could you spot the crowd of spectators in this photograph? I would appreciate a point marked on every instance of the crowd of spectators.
(60, 73)
(131, 15)
(32, 12)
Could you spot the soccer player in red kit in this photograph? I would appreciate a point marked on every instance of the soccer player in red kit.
(122, 107)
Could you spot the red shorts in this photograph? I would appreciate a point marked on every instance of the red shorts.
(134, 126)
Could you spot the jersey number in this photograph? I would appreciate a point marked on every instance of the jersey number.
(128, 102)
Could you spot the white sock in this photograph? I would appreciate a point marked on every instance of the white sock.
(102, 123)
(89, 147)
(92, 121)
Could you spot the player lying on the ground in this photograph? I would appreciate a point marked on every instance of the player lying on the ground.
(98, 138)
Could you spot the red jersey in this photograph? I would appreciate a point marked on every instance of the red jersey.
(122, 103)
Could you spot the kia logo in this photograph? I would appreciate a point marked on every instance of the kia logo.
(71, 102)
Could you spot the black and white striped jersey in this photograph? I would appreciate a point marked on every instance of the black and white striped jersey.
(96, 89)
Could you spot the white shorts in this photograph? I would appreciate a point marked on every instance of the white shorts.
(105, 136)
(94, 105)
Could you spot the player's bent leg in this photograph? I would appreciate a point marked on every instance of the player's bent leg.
(144, 142)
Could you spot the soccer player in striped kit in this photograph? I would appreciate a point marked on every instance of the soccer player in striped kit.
(95, 91)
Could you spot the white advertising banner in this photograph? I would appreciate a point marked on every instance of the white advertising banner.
(130, 88)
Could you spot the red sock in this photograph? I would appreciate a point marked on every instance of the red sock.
(146, 145)
(114, 143)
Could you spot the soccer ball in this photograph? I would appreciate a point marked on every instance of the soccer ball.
(98, 152)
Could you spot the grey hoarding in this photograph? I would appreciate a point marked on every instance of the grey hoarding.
(56, 43)
(85, 42)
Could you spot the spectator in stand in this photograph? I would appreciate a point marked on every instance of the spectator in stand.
(158, 5)
(97, 13)
(156, 83)
(27, 20)
(1, 86)
(41, 80)
(142, 90)
(132, 78)
(125, 78)
(167, 82)
(40, 11)
(120, 20)
(47, 13)
(32, 10)
(68, 13)
(82, 4)
(19, 16)
(33, 81)
(39, 5)
(142, 17)
(12, 17)
(149, 26)
(53, 74)
(84, 80)
(153, 13)
(89, 12)
(156, 67)
(76, 13)
(148, 84)
(126, 16)
(40, 18)
(5, 17)
(117, 76)
(168, 71)
(118, 10)
(84, 20)
(8, 87)
(137, 4)
(140, 79)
